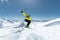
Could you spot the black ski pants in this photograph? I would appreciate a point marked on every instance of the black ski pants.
(28, 22)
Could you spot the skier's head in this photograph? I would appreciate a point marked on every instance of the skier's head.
(27, 15)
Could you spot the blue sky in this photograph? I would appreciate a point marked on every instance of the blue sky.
(38, 9)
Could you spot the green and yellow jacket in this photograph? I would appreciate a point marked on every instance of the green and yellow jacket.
(28, 18)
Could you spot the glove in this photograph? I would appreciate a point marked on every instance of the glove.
(21, 11)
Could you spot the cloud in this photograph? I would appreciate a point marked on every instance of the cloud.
(6, 0)
(2, 0)
(29, 1)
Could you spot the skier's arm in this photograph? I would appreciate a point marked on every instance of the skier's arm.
(23, 13)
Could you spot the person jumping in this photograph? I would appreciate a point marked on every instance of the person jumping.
(27, 19)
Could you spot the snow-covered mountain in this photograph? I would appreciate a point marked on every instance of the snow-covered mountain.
(40, 30)
(53, 22)
(40, 20)
(8, 23)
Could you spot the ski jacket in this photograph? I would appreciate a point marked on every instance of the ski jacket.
(28, 18)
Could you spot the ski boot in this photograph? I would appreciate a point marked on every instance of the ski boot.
(27, 26)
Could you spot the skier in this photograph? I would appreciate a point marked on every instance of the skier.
(27, 19)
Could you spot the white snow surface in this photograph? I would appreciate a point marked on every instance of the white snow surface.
(40, 30)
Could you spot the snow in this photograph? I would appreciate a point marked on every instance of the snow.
(39, 31)
(55, 20)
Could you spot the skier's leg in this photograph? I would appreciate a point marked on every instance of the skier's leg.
(28, 23)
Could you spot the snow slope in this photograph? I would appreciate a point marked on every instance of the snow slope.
(40, 31)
